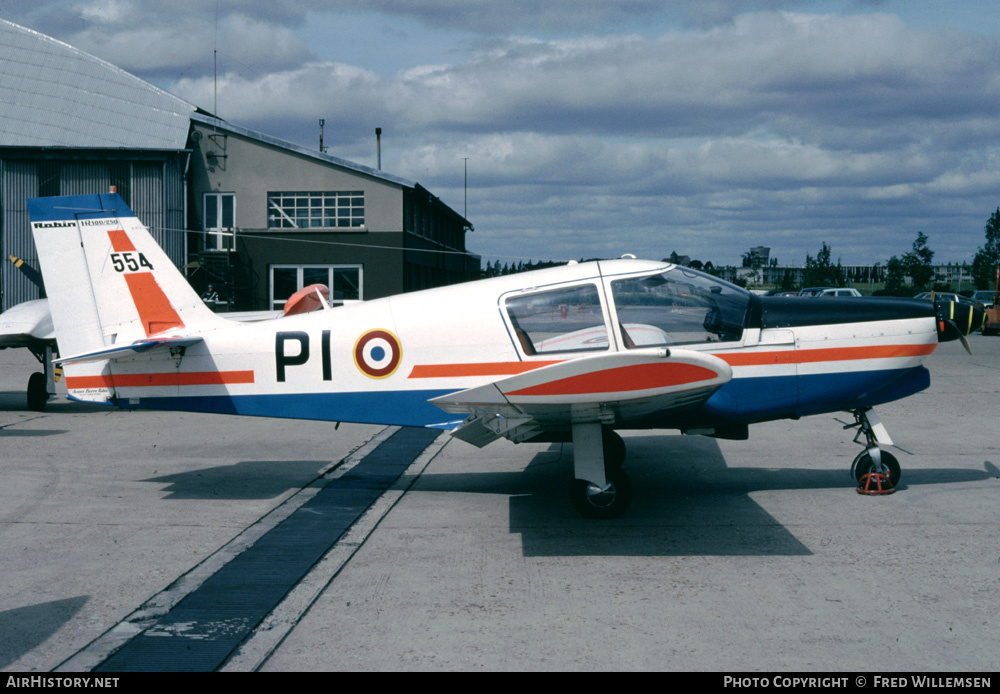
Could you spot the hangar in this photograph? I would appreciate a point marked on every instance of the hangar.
(252, 215)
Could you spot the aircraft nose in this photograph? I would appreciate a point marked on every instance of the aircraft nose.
(956, 320)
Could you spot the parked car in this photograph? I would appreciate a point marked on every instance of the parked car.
(943, 296)
(950, 296)
(984, 296)
(812, 291)
(830, 291)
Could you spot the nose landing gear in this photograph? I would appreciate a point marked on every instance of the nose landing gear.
(876, 471)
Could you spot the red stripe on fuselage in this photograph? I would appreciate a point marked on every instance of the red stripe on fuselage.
(193, 378)
(807, 356)
(741, 358)
(623, 379)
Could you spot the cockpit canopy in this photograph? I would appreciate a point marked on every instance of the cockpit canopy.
(677, 306)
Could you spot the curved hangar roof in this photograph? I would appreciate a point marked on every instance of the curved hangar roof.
(53, 95)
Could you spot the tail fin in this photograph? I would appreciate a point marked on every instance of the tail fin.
(109, 282)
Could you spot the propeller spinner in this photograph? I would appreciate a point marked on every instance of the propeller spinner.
(956, 320)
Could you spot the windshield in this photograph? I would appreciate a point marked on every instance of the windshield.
(679, 306)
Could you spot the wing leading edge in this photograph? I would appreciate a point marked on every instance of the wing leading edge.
(609, 388)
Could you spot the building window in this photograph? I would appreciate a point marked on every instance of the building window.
(344, 281)
(343, 210)
(220, 215)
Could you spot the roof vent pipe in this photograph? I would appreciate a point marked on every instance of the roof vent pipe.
(378, 146)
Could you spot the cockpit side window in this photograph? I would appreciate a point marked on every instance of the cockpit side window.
(678, 307)
(559, 320)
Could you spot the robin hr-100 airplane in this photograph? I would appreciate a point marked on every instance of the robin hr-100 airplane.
(566, 354)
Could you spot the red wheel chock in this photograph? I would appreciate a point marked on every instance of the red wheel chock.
(875, 484)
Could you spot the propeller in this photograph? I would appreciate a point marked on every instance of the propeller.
(31, 273)
(956, 320)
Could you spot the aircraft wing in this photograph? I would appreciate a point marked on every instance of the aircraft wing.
(27, 324)
(609, 388)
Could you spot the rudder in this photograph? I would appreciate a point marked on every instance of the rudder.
(109, 282)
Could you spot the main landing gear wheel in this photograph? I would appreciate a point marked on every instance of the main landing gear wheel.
(614, 448)
(864, 465)
(38, 393)
(591, 501)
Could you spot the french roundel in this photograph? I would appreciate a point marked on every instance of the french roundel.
(377, 353)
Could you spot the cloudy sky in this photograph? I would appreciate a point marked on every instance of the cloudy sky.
(593, 128)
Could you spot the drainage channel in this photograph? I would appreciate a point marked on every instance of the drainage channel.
(207, 625)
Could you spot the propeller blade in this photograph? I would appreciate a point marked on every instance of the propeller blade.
(31, 273)
(958, 331)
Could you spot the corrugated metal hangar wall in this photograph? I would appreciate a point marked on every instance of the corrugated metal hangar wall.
(151, 183)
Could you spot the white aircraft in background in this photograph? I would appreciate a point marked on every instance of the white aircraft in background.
(29, 325)
(565, 354)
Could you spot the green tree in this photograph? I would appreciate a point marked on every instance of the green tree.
(820, 272)
(895, 277)
(917, 264)
(984, 264)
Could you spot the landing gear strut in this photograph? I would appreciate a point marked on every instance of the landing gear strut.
(876, 471)
(601, 489)
(41, 384)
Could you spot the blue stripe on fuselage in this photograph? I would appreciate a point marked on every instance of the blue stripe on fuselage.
(400, 408)
(760, 399)
(741, 400)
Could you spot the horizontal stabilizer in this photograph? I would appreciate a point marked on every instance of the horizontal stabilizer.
(133, 347)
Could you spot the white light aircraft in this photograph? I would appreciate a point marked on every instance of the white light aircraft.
(29, 325)
(566, 354)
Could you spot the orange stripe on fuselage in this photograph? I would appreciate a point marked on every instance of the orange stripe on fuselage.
(807, 356)
(193, 378)
(742, 358)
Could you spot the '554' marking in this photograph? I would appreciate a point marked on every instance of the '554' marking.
(130, 260)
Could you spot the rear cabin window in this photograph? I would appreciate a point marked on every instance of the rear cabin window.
(679, 307)
(561, 320)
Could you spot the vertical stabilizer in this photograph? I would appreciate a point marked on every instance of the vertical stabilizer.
(109, 282)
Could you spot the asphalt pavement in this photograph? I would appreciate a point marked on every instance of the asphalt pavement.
(735, 556)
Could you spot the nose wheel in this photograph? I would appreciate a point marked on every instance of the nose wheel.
(876, 478)
(877, 471)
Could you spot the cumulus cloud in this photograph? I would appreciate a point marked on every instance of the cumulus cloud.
(490, 17)
(611, 126)
(159, 41)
